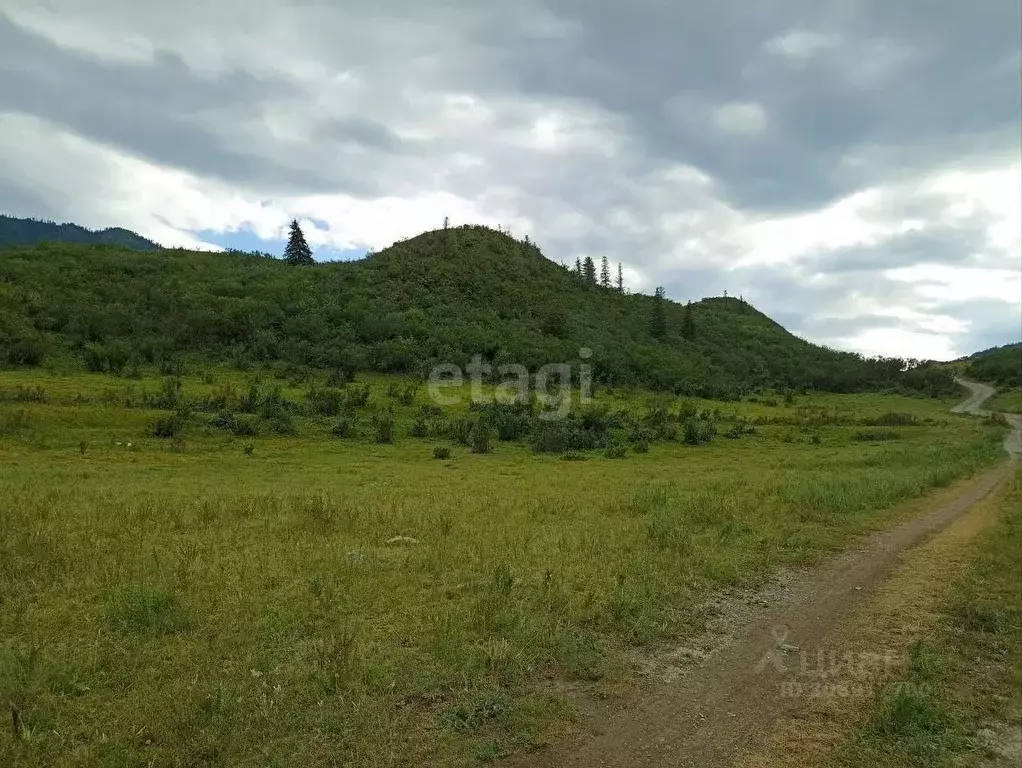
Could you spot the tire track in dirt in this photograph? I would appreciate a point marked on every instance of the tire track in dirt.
(736, 699)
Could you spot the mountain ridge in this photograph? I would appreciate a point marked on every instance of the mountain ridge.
(441, 297)
(22, 231)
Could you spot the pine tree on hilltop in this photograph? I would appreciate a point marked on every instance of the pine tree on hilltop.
(589, 270)
(620, 279)
(658, 317)
(605, 273)
(578, 268)
(297, 252)
(688, 326)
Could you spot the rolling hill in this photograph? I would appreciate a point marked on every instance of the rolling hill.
(31, 232)
(1001, 366)
(440, 297)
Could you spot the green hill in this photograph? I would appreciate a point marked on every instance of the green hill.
(440, 297)
(1001, 365)
(31, 232)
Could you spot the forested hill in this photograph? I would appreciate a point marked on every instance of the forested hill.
(1001, 365)
(440, 297)
(31, 232)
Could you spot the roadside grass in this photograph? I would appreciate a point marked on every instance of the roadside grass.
(1009, 401)
(960, 701)
(307, 600)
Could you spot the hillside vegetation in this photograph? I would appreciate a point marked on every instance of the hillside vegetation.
(1001, 366)
(15, 231)
(441, 297)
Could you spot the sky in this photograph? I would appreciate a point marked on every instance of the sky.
(851, 167)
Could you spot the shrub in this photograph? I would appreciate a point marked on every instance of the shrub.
(32, 394)
(325, 402)
(244, 427)
(224, 420)
(616, 452)
(338, 377)
(383, 427)
(893, 419)
(419, 429)
(480, 439)
(356, 397)
(441, 452)
(573, 456)
(567, 435)
(169, 397)
(698, 431)
(875, 435)
(169, 426)
(27, 350)
(281, 423)
(106, 358)
(407, 395)
(641, 446)
(345, 427)
(512, 421)
(14, 422)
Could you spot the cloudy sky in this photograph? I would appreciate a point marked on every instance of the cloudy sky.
(852, 167)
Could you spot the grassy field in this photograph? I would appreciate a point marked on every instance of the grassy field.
(300, 599)
(960, 701)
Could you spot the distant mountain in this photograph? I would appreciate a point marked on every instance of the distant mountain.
(31, 232)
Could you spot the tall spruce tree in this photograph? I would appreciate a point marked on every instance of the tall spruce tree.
(578, 268)
(589, 270)
(605, 273)
(297, 253)
(658, 317)
(688, 326)
(620, 279)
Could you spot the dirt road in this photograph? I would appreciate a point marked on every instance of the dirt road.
(733, 702)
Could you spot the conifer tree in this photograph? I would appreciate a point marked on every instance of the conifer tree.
(578, 268)
(688, 326)
(605, 273)
(658, 317)
(620, 279)
(589, 270)
(297, 252)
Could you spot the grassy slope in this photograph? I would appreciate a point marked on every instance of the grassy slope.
(439, 297)
(960, 703)
(1009, 401)
(186, 601)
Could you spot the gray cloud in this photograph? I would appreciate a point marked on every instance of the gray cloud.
(654, 133)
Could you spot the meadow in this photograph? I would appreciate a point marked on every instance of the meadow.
(292, 593)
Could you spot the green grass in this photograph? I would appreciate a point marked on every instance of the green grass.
(310, 600)
(1009, 401)
(962, 691)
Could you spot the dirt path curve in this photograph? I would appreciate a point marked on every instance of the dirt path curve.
(733, 700)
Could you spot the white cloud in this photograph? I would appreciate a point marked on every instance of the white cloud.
(942, 283)
(741, 118)
(801, 45)
(895, 342)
